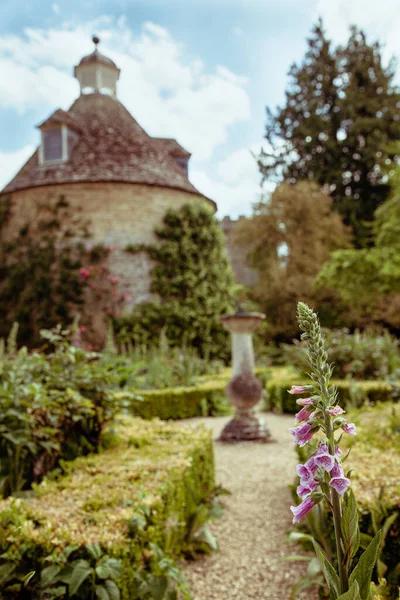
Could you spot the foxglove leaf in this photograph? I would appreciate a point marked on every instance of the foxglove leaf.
(352, 594)
(349, 526)
(329, 572)
(363, 571)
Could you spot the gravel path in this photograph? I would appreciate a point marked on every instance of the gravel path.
(251, 532)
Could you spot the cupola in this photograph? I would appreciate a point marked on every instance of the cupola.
(97, 73)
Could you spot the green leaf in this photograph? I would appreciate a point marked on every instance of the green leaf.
(387, 525)
(114, 567)
(314, 567)
(101, 593)
(329, 572)
(112, 589)
(158, 587)
(102, 572)
(80, 572)
(349, 526)
(94, 551)
(6, 571)
(26, 579)
(352, 594)
(207, 537)
(49, 575)
(363, 571)
(51, 593)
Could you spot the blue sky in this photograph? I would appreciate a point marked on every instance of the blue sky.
(198, 70)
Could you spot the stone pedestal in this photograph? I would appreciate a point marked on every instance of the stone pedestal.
(244, 389)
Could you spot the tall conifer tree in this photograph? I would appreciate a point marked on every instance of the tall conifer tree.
(337, 127)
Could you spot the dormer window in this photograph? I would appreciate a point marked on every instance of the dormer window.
(57, 143)
(52, 144)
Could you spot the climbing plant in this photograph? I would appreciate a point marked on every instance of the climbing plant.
(193, 281)
(49, 273)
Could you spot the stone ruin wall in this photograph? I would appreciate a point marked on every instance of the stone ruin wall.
(118, 214)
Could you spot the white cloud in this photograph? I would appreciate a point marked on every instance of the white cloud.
(10, 163)
(55, 8)
(380, 20)
(236, 186)
(168, 94)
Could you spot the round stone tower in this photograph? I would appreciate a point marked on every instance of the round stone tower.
(109, 171)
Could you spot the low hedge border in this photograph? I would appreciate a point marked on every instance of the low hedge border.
(178, 403)
(350, 392)
(207, 399)
(137, 493)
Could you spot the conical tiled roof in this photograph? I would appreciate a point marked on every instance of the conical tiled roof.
(111, 146)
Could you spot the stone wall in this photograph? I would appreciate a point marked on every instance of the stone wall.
(118, 214)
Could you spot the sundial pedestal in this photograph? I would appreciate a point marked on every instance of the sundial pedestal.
(244, 389)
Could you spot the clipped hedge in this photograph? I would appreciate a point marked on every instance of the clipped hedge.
(177, 403)
(139, 492)
(206, 399)
(349, 392)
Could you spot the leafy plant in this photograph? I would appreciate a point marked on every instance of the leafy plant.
(370, 354)
(194, 284)
(199, 539)
(53, 406)
(322, 477)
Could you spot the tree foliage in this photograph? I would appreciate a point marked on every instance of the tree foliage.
(193, 281)
(337, 126)
(288, 239)
(369, 279)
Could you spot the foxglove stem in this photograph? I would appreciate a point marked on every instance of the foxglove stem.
(337, 513)
(317, 356)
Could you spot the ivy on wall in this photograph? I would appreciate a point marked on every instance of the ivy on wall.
(194, 282)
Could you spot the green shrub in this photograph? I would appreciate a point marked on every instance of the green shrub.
(366, 355)
(52, 407)
(193, 282)
(119, 517)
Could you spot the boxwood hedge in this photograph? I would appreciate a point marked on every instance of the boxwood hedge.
(112, 523)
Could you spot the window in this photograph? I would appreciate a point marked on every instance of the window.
(182, 162)
(52, 144)
(57, 144)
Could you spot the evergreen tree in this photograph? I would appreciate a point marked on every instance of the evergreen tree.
(193, 281)
(337, 126)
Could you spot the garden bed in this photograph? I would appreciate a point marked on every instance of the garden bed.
(132, 503)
